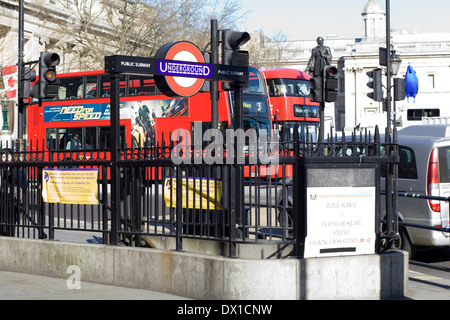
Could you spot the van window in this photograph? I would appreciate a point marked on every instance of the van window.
(407, 168)
(444, 164)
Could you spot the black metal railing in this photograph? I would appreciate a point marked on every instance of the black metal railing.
(167, 198)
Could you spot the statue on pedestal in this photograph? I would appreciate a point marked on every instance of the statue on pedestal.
(320, 57)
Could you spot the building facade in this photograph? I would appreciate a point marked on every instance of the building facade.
(49, 25)
(42, 32)
(427, 53)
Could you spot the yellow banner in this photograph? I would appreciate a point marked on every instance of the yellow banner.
(70, 186)
(202, 195)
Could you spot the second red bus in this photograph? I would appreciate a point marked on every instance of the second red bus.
(289, 91)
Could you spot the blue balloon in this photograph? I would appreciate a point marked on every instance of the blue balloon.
(411, 83)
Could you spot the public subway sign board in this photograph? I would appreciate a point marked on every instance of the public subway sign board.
(340, 221)
(179, 69)
(184, 69)
(148, 66)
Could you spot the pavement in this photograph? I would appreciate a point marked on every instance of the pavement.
(425, 285)
(422, 284)
(19, 286)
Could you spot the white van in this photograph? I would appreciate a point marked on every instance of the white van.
(424, 168)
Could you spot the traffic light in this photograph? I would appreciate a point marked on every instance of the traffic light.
(375, 83)
(399, 89)
(48, 62)
(231, 41)
(315, 89)
(330, 83)
(28, 90)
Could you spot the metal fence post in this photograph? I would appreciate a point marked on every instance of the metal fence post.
(179, 207)
(115, 156)
(299, 206)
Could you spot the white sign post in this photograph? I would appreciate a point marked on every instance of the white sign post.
(341, 221)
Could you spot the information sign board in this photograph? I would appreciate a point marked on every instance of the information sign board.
(70, 186)
(341, 221)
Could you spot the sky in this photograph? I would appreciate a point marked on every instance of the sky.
(308, 19)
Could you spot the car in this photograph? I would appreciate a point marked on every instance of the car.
(424, 169)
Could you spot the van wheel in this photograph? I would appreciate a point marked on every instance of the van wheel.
(404, 243)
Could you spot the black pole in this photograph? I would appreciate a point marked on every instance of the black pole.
(115, 156)
(214, 84)
(388, 67)
(391, 137)
(321, 121)
(322, 103)
(238, 199)
(20, 72)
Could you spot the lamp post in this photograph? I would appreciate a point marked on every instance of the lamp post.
(5, 103)
(391, 231)
(395, 63)
(388, 68)
(20, 69)
(395, 67)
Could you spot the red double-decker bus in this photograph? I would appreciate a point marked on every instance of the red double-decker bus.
(289, 91)
(79, 117)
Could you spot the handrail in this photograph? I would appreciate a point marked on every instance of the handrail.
(426, 197)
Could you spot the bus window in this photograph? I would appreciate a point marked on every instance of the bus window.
(105, 86)
(61, 138)
(135, 86)
(303, 88)
(105, 137)
(70, 139)
(70, 88)
(81, 138)
(288, 87)
(277, 88)
(256, 83)
(91, 87)
(150, 86)
(52, 139)
(90, 138)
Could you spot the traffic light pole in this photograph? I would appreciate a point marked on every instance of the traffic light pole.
(214, 85)
(20, 72)
(391, 136)
(388, 66)
(237, 200)
(322, 121)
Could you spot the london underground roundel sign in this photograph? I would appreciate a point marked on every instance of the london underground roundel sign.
(181, 69)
